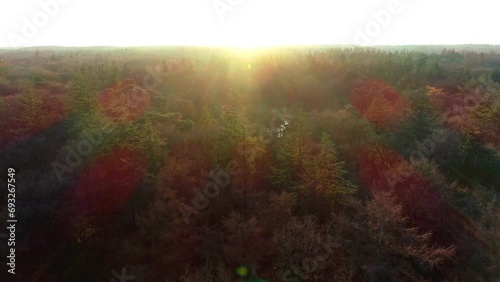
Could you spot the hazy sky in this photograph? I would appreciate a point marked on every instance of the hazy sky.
(247, 22)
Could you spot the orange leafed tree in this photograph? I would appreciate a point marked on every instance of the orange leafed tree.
(378, 102)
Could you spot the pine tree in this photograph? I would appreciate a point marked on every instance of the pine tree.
(323, 182)
(290, 152)
(83, 91)
(495, 75)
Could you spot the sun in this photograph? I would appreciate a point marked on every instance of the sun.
(249, 43)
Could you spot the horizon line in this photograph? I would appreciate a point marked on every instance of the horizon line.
(244, 47)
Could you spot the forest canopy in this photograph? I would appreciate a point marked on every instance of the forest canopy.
(277, 164)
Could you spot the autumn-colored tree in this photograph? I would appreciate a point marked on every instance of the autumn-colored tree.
(378, 102)
(323, 180)
(398, 243)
